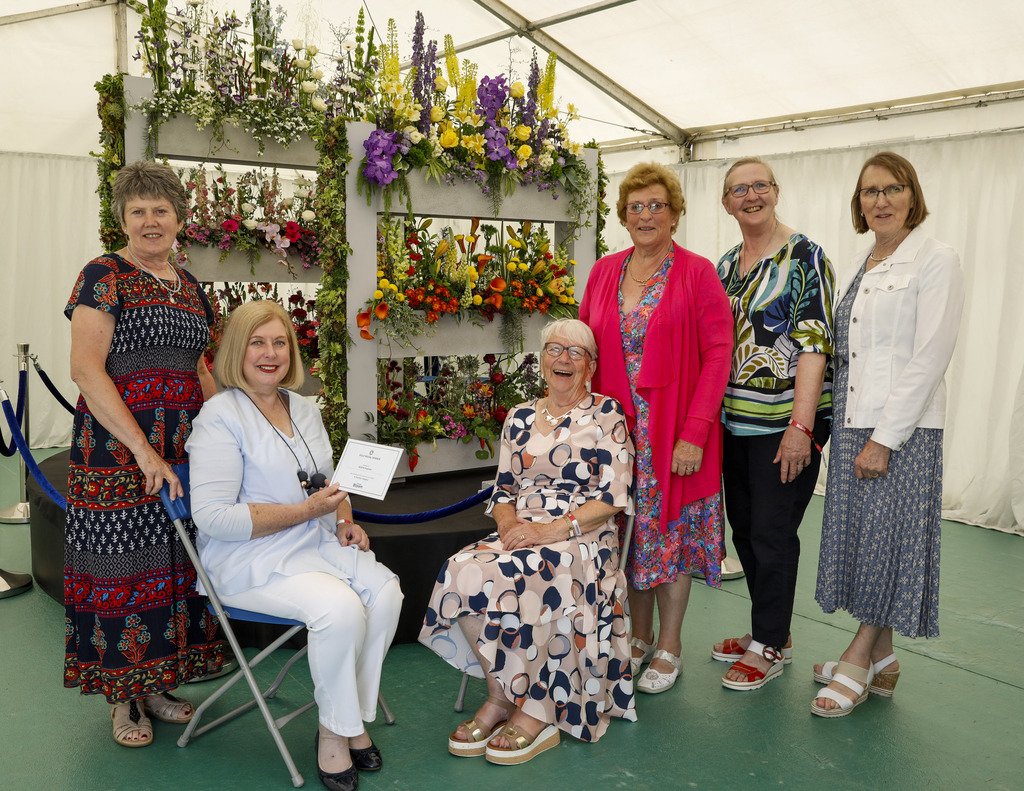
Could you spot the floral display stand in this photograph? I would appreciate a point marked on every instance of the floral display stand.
(450, 201)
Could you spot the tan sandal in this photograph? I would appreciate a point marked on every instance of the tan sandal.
(129, 718)
(524, 747)
(476, 744)
(167, 708)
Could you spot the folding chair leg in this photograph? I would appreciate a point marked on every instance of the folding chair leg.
(389, 718)
(272, 689)
(461, 699)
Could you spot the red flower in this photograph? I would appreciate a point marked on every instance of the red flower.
(500, 413)
(229, 225)
(497, 377)
(490, 359)
(293, 231)
(411, 270)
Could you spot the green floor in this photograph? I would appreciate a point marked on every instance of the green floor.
(954, 723)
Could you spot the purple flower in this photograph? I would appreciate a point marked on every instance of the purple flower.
(380, 148)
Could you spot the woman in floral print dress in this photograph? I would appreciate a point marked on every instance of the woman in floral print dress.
(135, 628)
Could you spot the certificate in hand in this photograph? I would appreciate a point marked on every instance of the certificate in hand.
(367, 468)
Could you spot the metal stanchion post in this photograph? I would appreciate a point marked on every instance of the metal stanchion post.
(18, 514)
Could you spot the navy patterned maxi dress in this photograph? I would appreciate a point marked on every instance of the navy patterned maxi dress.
(134, 624)
(555, 629)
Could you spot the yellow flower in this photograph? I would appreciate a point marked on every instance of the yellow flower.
(378, 294)
(449, 139)
(514, 243)
(524, 152)
(477, 299)
(436, 114)
(516, 90)
(400, 297)
(440, 84)
(570, 291)
(522, 133)
(383, 283)
(474, 143)
(380, 273)
(511, 267)
(473, 274)
(540, 292)
(392, 286)
(524, 267)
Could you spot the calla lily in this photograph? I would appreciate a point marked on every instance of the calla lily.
(363, 321)
(381, 311)
(495, 300)
(498, 284)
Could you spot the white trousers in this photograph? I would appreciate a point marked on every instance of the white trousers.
(347, 640)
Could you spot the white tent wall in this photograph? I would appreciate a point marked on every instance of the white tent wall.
(974, 186)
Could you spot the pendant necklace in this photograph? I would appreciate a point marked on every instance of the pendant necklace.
(172, 291)
(763, 249)
(554, 420)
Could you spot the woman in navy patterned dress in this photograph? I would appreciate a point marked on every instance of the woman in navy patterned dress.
(897, 319)
(537, 607)
(135, 627)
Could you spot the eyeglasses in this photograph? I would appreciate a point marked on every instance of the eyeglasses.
(655, 207)
(890, 192)
(759, 188)
(556, 349)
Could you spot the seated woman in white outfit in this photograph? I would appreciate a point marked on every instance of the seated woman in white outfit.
(537, 607)
(275, 539)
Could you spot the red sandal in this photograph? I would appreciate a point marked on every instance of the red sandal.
(755, 678)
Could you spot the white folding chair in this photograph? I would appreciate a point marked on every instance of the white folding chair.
(179, 510)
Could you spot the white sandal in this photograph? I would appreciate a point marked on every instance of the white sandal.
(652, 682)
(882, 683)
(856, 679)
(636, 661)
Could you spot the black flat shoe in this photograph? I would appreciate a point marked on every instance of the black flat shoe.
(366, 759)
(347, 780)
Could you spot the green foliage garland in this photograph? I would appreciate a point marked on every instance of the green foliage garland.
(110, 158)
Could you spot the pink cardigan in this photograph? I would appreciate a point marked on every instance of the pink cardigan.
(687, 358)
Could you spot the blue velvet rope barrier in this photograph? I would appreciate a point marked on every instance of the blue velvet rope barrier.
(30, 463)
(423, 516)
(378, 519)
(7, 449)
(53, 390)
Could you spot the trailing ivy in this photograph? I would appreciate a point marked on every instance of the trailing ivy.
(332, 297)
(110, 157)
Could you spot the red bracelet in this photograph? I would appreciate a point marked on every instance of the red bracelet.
(806, 431)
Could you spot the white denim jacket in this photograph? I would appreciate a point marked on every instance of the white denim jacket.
(902, 331)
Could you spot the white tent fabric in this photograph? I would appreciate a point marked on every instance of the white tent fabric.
(701, 66)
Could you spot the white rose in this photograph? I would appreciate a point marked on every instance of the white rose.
(297, 43)
(317, 74)
(250, 224)
(302, 63)
(248, 208)
(308, 86)
(286, 202)
(308, 215)
(312, 49)
(415, 135)
(319, 104)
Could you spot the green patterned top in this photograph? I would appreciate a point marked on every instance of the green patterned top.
(783, 307)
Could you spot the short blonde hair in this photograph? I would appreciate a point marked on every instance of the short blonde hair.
(228, 364)
(145, 179)
(573, 330)
(748, 161)
(646, 174)
(904, 172)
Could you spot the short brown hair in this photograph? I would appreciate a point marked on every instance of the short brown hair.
(243, 322)
(904, 172)
(748, 161)
(645, 174)
(145, 179)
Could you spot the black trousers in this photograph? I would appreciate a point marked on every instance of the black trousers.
(765, 514)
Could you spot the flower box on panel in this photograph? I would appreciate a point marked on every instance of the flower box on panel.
(454, 338)
(448, 455)
(205, 264)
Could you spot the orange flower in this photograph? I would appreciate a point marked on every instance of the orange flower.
(363, 321)
(483, 259)
(498, 284)
(381, 311)
(495, 300)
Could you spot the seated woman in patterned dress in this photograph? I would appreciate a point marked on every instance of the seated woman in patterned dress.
(538, 605)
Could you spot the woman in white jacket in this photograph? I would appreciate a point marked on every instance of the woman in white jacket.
(896, 320)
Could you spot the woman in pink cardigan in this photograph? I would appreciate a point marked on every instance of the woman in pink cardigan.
(664, 336)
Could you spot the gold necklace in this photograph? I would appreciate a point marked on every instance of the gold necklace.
(763, 249)
(171, 291)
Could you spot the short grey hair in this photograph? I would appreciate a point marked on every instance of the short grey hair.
(573, 330)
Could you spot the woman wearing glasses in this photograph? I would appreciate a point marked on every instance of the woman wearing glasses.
(897, 318)
(537, 607)
(778, 407)
(664, 332)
